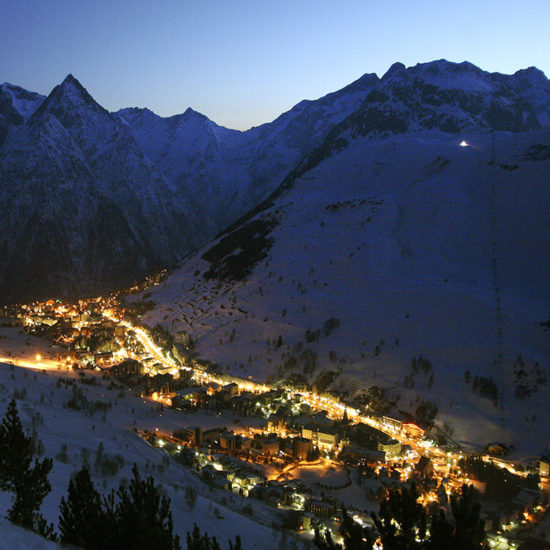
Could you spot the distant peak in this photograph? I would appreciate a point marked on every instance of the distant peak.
(532, 73)
(395, 69)
(66, 96)
(190, 114)
(71, 81)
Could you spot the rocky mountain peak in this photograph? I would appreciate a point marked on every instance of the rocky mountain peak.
(66, 100)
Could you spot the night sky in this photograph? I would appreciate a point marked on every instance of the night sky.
(245, 62)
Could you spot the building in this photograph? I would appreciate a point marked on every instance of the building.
(321, 438)
(392, 448)
(301, 448)
(413, 430)
(193, 434)
(228, 440)
(393, 423)
(270, 446)
(128, 367)
(321, 508)
(544, 467)
(275, 423)
(232, 389)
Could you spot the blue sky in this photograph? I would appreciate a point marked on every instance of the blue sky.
(244, 62)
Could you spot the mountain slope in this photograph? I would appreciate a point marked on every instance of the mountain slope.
(415, 244)
(236, 170)
(92, 201)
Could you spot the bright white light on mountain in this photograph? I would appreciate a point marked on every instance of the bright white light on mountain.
(464, 144)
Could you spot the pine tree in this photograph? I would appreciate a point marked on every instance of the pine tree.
(441, 532)
(82, 519)
(355, 537)
(28, 483)
(144, 519)
(324, 541)
(469, 527)
(402, 520)
(198, 541)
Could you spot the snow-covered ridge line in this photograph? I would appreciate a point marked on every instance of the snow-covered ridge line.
(106, 198)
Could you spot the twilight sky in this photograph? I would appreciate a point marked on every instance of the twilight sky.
(244, 62)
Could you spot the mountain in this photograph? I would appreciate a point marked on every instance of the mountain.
(16, 106)
(417, 227)
(92, 200)
(82, 209)
(236, 170)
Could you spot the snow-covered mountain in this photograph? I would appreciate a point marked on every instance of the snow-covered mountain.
(91, 200)
(419, 226)
(82, 208)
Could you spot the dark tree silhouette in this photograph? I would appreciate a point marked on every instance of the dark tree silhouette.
(83, 520)
(469, 527)
(144, 519)
(199, 541)
(27, 480)
(401, 520)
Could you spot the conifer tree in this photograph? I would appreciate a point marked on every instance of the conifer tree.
(469, 527)
(82, 519)
(402, 520)
(144, 519)
(28, 481)
(199, 541)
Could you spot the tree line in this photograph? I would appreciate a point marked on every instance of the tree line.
(403, 523)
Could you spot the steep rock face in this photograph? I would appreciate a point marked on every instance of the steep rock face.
(16, 106)
(82, 208)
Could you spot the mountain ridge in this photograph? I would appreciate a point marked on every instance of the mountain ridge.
(200, 176)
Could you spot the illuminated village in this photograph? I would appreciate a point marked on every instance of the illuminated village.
(294, 449)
